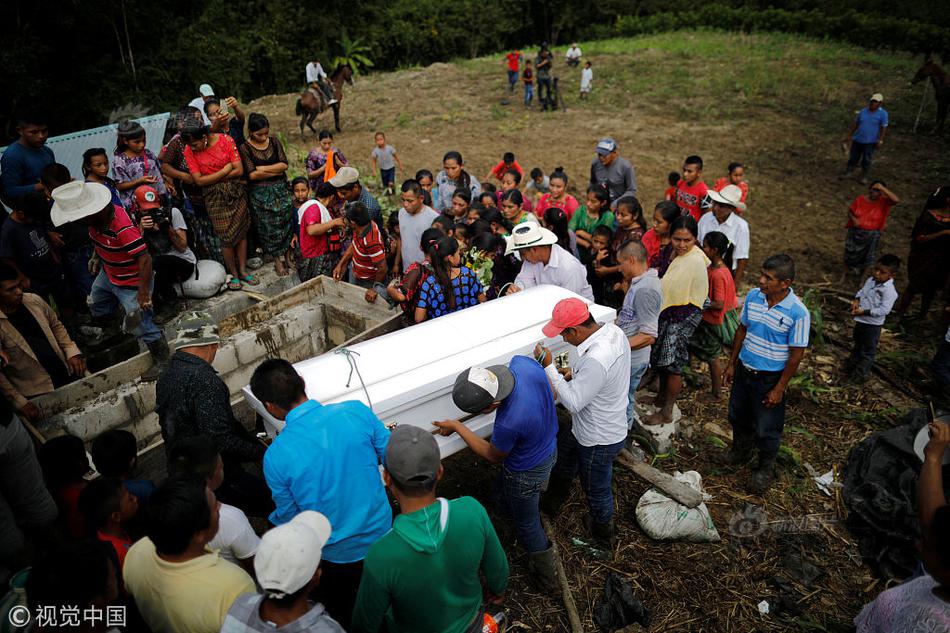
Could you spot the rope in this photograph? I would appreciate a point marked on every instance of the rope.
(349, 355)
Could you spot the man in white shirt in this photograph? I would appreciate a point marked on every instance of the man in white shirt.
(573, 55)
(545, 262)
(414, 218)
(317, 79)
(594, 391)
(723, 218)
(205, 94)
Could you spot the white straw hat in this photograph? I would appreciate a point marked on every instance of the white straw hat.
(730, 195)
(528, 234)
(77, 200)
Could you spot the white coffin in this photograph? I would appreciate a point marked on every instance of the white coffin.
(409, 374)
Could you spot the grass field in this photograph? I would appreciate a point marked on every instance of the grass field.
(781, 105)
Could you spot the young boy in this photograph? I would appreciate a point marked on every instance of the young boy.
(115, 454)
(414, 218)
(107, 505)
(871, 305)
(691, 190)
(766, 351)
(598, 256)
(587, 77)
(538, 185)
(366, 252)
(867, 216)
(527, 78)
(385, 158)
(506, 164)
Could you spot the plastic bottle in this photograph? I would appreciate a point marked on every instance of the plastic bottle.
(492, 622)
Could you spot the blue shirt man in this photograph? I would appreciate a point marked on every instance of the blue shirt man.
(867, 134)
(23, 161)
(771, 331)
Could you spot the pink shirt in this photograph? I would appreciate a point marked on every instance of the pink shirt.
(569, 205)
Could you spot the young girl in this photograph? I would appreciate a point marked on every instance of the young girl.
(498, 223)
(587, 78)
(461, 200)
(475, 212)
(324, 160)
(558, 196)
(735, 175)
(511, 179)
(426, 180)
(595, 213)
(512, 207)
(134, 164)
(488, 199)
(720, 319)
(630, 224)
(500, 269)
(453, 176)
(394, 250)
(672, 178)
(556, 221)
(685, 292)
(404, 290)
(320, 237)
(95, 168)
(657, 240)
(451, 287)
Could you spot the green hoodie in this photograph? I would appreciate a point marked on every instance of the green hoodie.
(422, 576)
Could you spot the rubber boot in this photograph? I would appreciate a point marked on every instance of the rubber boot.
(763, 474)
(159, 352)
(554, 497)
(543, 569)
(738, 454)
(603, 534)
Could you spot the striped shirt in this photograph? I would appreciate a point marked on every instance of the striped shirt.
(119, 247)
(771, 331)
(368, 252)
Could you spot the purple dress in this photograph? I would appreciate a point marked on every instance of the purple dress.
(315, 160)
(127, 168)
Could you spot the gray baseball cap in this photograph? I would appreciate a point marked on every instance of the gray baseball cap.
(477, 388)
(412, 456)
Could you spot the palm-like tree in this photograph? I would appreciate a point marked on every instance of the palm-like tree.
(354, 54)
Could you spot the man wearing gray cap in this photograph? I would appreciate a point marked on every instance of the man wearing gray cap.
(423, 575)
(611, 170)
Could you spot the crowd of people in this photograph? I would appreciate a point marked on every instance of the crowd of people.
(182, 555)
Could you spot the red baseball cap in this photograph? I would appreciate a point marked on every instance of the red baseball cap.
(147, 198)
(567, 313)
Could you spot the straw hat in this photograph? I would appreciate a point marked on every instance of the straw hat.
(77, 200)
(529, 234)
(730, 196)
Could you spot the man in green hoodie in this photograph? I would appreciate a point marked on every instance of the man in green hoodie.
(423, 576)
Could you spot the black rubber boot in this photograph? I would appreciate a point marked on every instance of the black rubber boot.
(603, 534)
(159, 352)
(559, 489)
(739, 453)
(543, 569)
(764, 474)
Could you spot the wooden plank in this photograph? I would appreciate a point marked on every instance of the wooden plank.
(664, 482)
(566, 596)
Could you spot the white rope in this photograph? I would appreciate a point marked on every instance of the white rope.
(349, 355)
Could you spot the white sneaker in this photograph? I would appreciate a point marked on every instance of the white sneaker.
(332, 101)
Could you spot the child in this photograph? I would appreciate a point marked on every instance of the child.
(630, 223)
(394, 249)
(498, 223)
(107, 506)
(26, 246)
(404, 290)
(366, 251)
(557, 195)
(324, 160)
(451, 287)
(556, 221)
(425, 179)
(871, 305)
(461, 199)
(452, 178)
(320, 234)
(690, 189)
(95, 168)
(867, 216)
(657, 240)
(595, 213)
(511, 180)
(115, 454)
(527, 78)
(587, 77)
(507, 163)
(384, 158)
(538, 185)
(671, 179)
(720, 319)
(598, 255)
(735, 175)
(65, 465)
(488, 199)
(134, 164)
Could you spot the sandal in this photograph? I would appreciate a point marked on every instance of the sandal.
(235, 284)
(251, 280)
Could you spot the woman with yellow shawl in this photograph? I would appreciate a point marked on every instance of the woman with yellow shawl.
(685, 293)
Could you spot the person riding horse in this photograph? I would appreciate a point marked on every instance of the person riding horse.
(317, 80)
(313, 101)
(941, 83)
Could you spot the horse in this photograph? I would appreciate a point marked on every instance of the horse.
(941, 83)
(309, 107)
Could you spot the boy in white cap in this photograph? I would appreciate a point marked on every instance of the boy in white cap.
(545, 262)
(205, 94)
(288, 569)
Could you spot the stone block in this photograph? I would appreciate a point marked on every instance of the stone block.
(226, 360)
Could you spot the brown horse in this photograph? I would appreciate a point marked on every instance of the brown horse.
(310, 107)
(941, 83)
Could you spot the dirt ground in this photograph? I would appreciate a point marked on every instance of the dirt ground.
(782, 106)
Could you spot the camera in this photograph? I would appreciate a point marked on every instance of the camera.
(159, 216)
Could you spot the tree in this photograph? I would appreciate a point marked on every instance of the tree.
(354, 54)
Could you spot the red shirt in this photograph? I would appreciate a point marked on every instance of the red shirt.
(872, 216)
(119, 247)
(651, 242)
(499, 170)
(569, 205)
(513, 60)
(690, 198)
(312, 245)
(120, 544)
(214, 158)
(723, 182)
(368, 252)
(670, 193)
(721, 288)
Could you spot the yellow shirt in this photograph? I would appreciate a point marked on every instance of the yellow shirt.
(189, 597)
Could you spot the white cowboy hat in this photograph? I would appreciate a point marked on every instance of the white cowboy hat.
(528, 234)
(730, 196)
(77, 200)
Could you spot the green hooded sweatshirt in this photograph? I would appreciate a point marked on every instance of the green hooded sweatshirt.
(423, 575)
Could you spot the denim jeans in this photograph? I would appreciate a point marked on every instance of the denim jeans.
(863, 153)
(528, 94)
(76, 267)
(512, 80)
(752, 422)
(520, 494)
(25, 504)
(106, 297)
(864, 349)
(636, 373)
(595, 465)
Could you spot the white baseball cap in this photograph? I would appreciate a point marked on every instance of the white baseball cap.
(288, 555)
(205, 90)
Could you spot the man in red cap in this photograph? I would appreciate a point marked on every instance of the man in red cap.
(594, 391)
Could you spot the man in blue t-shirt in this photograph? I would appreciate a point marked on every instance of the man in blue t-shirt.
(23, 161)
(867, 134)
(524, 440)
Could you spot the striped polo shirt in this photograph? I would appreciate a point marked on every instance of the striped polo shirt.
(368, 252)
(119, 247)
(771, 331)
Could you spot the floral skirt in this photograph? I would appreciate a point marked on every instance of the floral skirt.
(272, 210)
(709, 339)
(310, 267)
(226, 202)
(671, 350)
